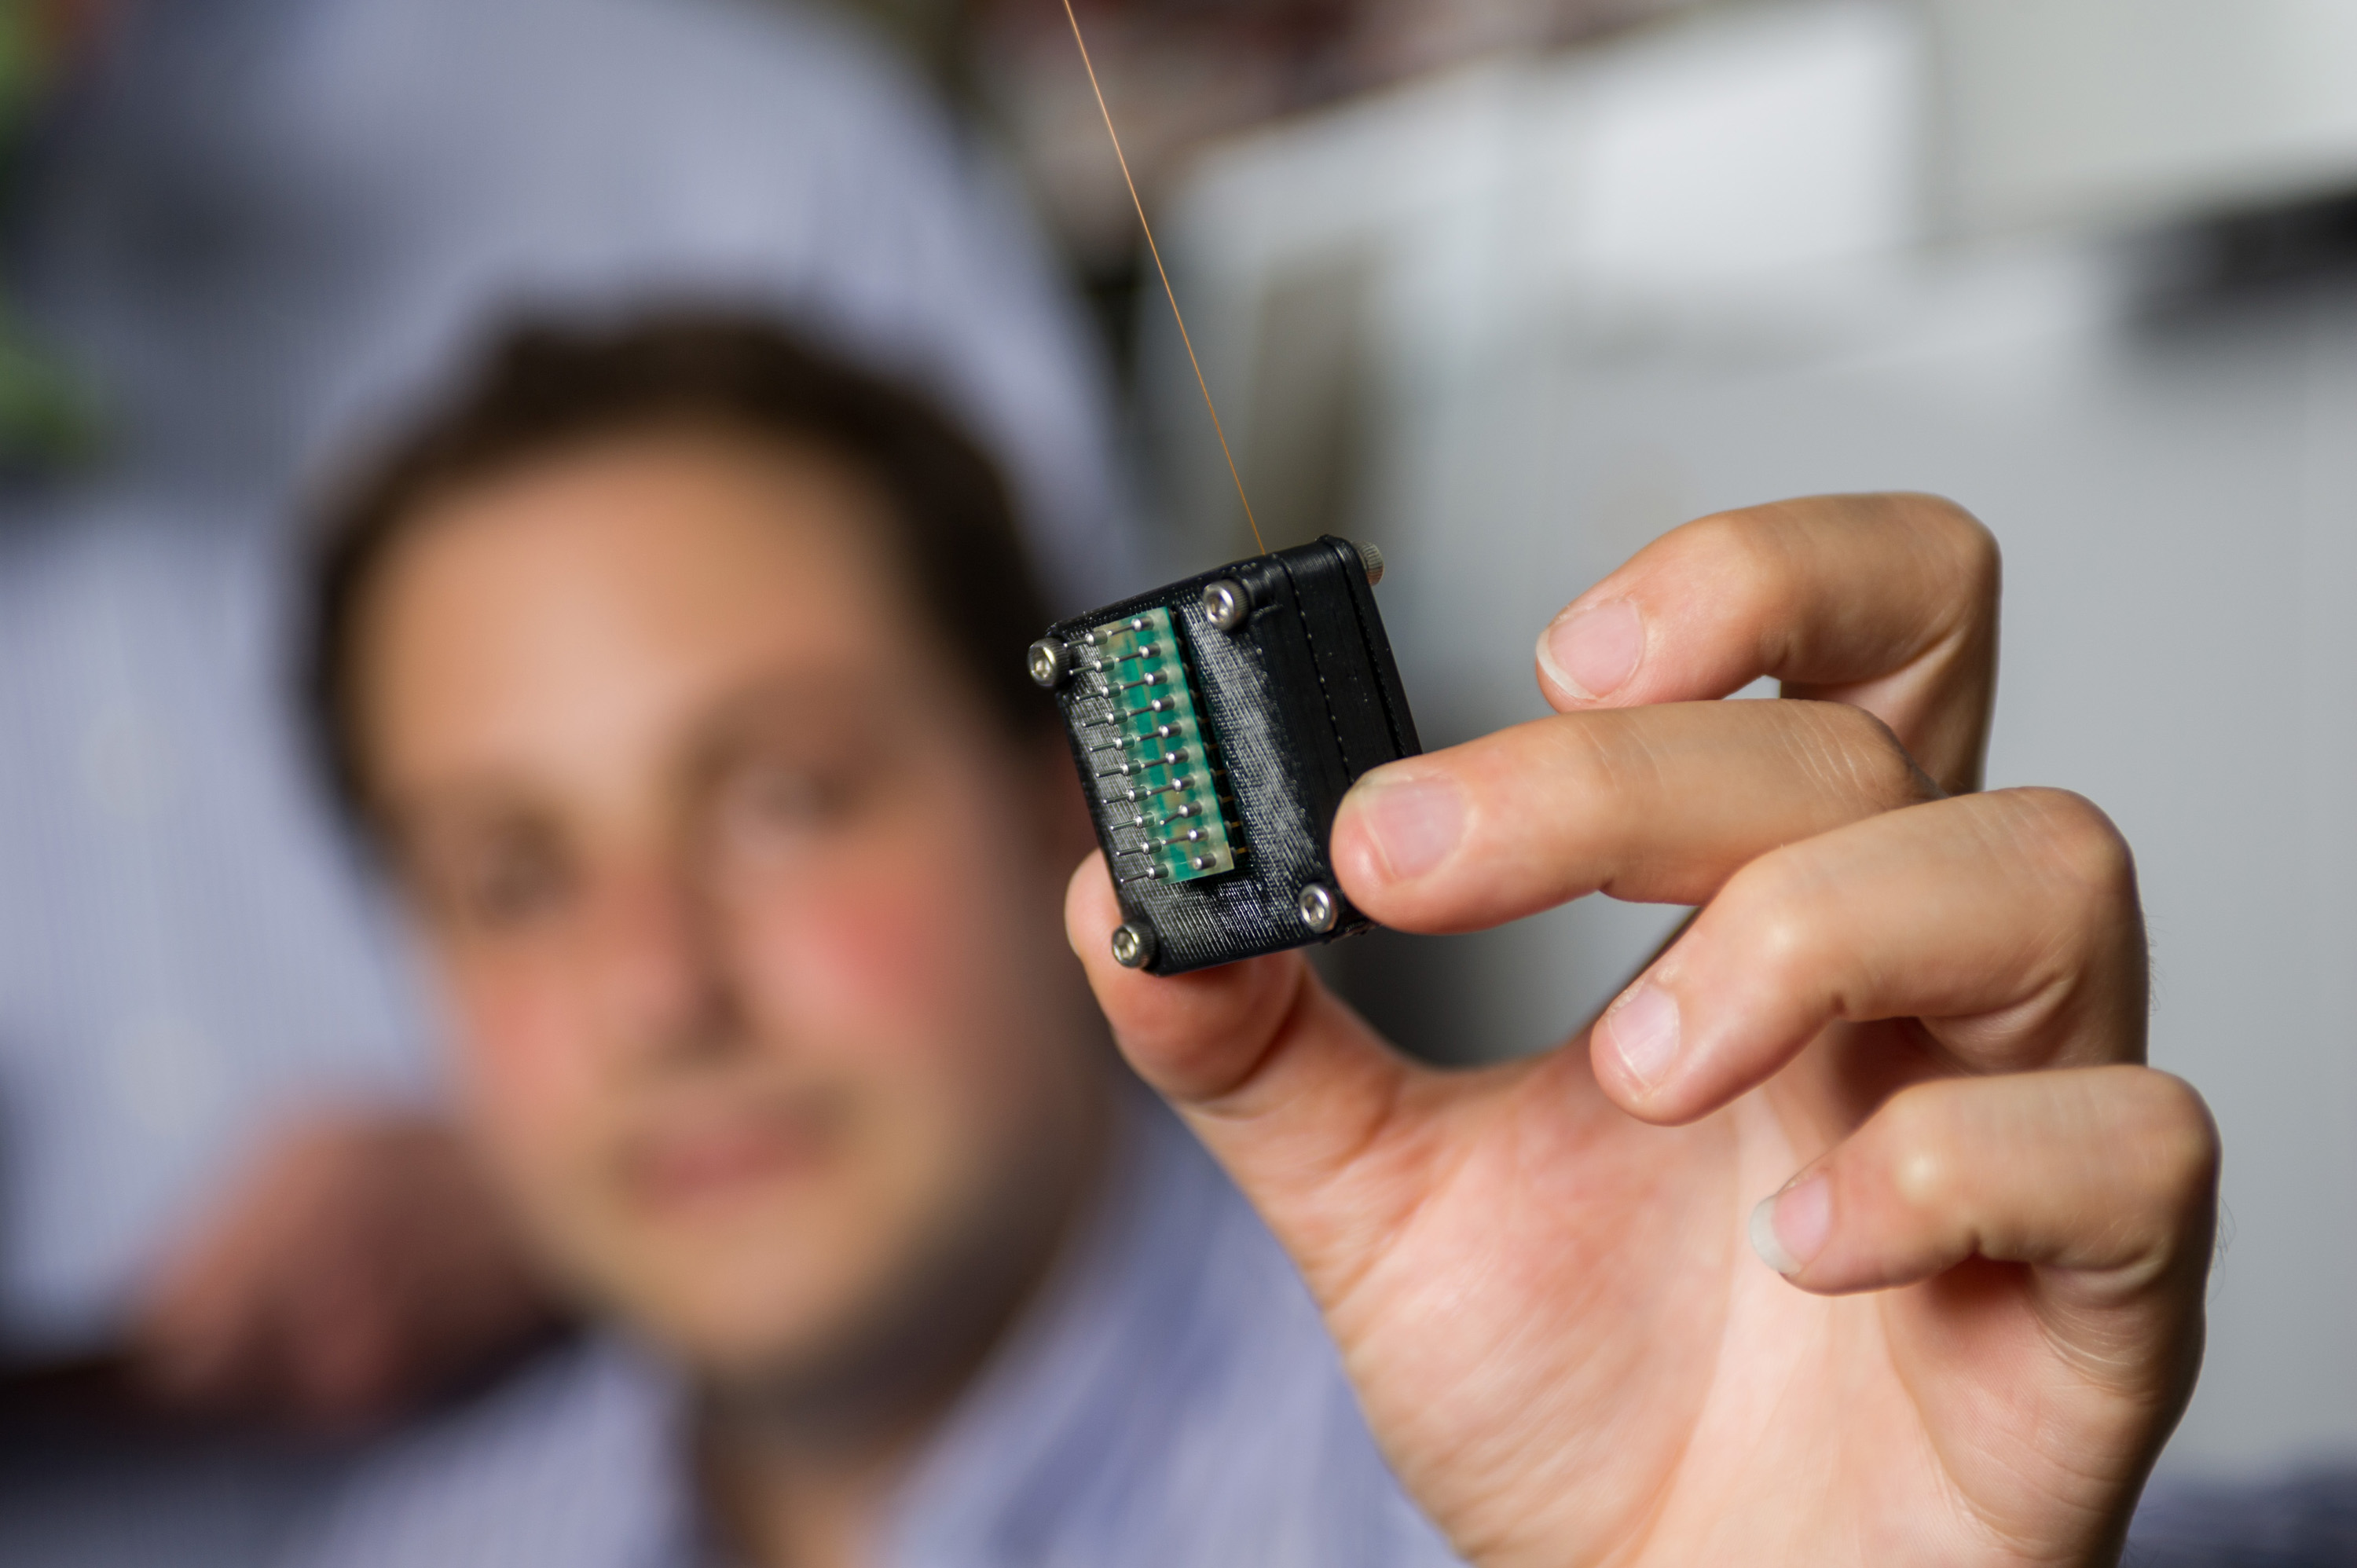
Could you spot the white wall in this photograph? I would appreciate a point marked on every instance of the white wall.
(1559, 360)
(2062, 111)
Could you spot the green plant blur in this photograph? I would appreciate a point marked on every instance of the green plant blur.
(47, 418)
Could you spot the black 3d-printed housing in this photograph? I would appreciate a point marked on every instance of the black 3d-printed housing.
(1292, 693)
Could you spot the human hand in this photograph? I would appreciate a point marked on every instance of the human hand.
(1928, 1003)
(360, 1265)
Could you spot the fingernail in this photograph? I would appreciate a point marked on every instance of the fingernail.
(1592, 651)
(1416, 820)
(1789, 1229)
(1642, 1030)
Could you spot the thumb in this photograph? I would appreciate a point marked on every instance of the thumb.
(1286, 1086)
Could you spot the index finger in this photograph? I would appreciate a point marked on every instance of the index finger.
(1886, 602)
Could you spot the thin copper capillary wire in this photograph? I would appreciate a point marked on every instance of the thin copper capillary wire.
(1167, 291)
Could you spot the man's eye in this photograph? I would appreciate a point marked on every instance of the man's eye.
(510, 890)
(788, 798)
(775, 799)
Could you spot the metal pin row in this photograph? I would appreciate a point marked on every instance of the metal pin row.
(1153, 871)
(1176, 755)
(1184, 782)
(1096, 635)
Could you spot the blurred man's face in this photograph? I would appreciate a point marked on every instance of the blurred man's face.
(748, 908)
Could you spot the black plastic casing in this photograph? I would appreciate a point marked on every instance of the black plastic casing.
(1300, 699)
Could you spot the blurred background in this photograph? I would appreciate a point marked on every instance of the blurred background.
(1510, 287)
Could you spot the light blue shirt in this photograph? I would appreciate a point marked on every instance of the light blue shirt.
(1171, 1402)
(259, 227)
(2303, 1520)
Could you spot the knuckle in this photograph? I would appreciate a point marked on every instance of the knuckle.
(1582, 755)
(2176, 1138)
(1748, 552)
(1912, 1132)
(1979, 563)
(1773, 907)
(1858, 753)
(1589, 777)
(2070, 836)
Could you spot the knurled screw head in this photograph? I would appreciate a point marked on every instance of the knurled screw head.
(1372, 559)
(1131, 945)
(1318, 908)
(1048, 662)
(1226, 605)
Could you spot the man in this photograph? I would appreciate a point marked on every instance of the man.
(227, 1181)
(674, 669)
(238, 225)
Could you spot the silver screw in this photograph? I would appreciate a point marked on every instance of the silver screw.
(1131, 945)
(1048, 661)
(1373, 559)
(1225, 605)
(1318, 908)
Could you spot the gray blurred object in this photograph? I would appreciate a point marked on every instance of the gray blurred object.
(258, 229)
(2082, 114)
(1559, 307)
(268, 223)
(1179, 73)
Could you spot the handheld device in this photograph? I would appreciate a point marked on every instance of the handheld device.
(1216, 722)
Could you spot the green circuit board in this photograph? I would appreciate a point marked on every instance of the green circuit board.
(1153, 762)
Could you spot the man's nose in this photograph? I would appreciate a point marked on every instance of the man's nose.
(659, 965)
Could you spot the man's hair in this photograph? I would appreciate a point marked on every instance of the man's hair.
(548, 389)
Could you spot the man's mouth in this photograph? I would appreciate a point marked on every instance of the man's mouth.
(713, 1158)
